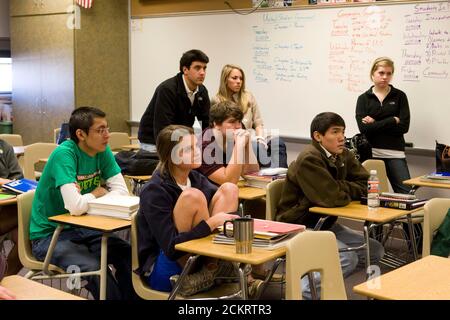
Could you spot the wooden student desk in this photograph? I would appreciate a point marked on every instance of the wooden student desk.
(131, 147)
(415, 184)
(424, 279)
(25, 289)
(356, 210)
(106, 225)
(250, 193)
(137, 182)
(206, 247)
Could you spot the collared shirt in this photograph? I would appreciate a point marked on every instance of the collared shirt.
(328, 154)
(191, 94)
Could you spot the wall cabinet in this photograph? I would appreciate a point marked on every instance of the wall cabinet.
(43, 75)
(57, 68)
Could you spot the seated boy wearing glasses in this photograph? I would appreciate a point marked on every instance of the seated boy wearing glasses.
(72, 177)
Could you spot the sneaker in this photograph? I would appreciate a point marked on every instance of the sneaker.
(254, 289)
(196, 282)
(226, 270)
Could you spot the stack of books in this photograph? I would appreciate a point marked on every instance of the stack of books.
(267, 234)
(398, 201)
(20, 186)
(263, 177)
(121, 207)
(436, 177)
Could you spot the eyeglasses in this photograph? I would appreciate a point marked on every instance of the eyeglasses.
(102, 131)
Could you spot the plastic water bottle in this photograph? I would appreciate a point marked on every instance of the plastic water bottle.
(373, 190)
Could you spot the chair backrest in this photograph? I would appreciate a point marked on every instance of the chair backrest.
(314, 251)
(118, 139)
(435, 211)
(56, 134)
(273, 195)
(374, 164)
(142, 289)
(32, 154)
(13, 139)
(24, 202)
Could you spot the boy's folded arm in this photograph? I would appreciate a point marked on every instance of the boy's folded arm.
(74, 202)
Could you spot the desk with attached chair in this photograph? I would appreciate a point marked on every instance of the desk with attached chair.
(371, 218)
(206, 247)
(416, 183)
(106, 225)
(144, 291)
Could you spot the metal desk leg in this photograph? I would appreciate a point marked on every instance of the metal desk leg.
(243, 282)
(103, 266)
(269, 275)
(312, 286)
(51, 247)
(319, 223)
(412, 235)
(134, 187)
(367, 227)
(185, 271)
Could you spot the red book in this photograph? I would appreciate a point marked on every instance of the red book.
(276, 227)
(268, 229)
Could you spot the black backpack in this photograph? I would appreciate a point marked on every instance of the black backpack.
(137, 163)
(360, 146)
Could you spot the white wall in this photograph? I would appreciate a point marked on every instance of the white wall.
(4, 18)
(300, 62)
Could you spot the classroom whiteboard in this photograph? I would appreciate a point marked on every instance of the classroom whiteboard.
(299, 62)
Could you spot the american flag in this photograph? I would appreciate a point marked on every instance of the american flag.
(85, 3)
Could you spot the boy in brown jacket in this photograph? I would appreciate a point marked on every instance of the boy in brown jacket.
(326, 174)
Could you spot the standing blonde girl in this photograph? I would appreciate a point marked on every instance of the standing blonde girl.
(382, 114)
(271, 150)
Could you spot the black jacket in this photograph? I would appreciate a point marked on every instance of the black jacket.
(156, 228)
(384, 133)
(170, 105)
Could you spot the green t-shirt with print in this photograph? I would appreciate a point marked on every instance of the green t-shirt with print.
(67, 164)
